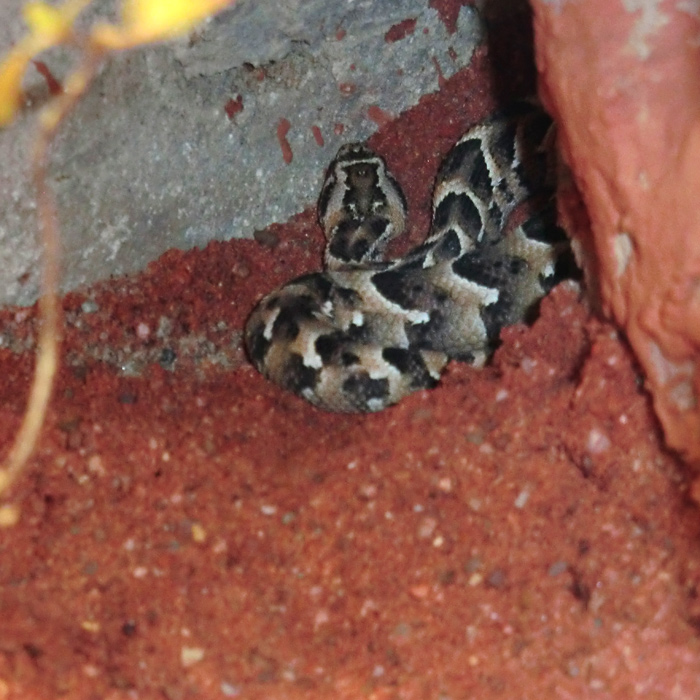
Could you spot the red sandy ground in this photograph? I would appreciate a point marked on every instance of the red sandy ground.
(518, 532)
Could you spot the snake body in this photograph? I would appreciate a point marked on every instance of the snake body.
(367, 331)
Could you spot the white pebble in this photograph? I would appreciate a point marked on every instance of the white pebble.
(191, 655)
(522, 498)
(598, 442)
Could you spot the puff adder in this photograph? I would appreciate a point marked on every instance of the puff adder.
(367, 331)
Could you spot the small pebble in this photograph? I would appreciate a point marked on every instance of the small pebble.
(89, 306)
(475, 579)
(165, 327)
(528, 365)
(321, 618)
(229, 690)
(559, 567)
(496, 578)
(402, 630)
(129, 628)
(426, 527)
(448, 577)
(90, 568)
(522, 499)
(368, 491)
(598, 442)
(199, 534)
(420, 590)
(445, 484)
(96, 466)
(476, 437)
(191, 655)
(267, 238)
(474, 504)
(473, 564)
(167, 358)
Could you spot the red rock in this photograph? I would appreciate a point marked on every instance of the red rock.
(623, 84)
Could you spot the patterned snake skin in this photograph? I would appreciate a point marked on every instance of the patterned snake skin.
(367, 331)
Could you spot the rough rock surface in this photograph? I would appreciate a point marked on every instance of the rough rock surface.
(622, 80)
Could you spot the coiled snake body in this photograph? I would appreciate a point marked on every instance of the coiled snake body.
(367, 331)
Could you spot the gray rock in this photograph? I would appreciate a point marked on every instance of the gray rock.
(151, 159)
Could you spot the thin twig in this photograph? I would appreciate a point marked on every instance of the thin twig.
(50, 313)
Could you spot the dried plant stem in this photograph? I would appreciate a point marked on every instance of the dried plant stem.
(49, 306)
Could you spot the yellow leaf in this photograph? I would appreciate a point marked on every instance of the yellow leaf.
(155, 20)
(11, 71)
(45, 21)
(110, 37)
(50, 25)
(168, 17)
(72, 8)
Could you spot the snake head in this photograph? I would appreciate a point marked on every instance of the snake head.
(361, 207)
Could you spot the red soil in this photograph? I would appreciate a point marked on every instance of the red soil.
(517, 532)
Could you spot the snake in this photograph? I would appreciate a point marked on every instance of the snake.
(369, 330)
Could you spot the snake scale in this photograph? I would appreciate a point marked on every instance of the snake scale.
(367, 331)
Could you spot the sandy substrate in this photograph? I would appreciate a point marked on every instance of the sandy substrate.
(188, 530)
